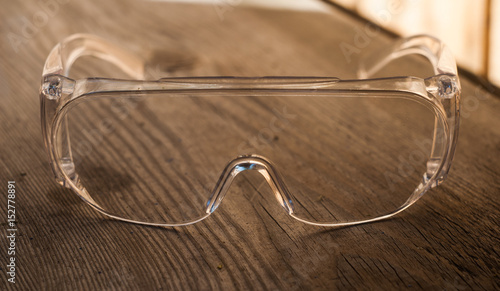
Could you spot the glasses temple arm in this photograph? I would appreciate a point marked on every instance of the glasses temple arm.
(431, 48)
(59, 62)
(62, 56)
(445, 71)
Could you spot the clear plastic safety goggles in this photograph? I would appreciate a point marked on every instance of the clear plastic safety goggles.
(332, 152)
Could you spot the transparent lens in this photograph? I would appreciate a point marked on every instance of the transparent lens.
(157, 157)
(138, 158)
(352, 159)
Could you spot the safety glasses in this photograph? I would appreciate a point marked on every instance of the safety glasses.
(332, 152)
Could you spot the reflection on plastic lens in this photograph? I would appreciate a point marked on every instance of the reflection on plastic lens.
(158, 158)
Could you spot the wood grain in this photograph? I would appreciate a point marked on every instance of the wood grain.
(448, 240)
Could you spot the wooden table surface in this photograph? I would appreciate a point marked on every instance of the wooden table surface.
(449, 240)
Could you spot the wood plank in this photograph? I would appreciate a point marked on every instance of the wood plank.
(448, 240)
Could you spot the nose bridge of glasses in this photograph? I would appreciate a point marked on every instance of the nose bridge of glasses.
(255, 163)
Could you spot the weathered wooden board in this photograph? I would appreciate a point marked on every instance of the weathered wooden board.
(448, 240)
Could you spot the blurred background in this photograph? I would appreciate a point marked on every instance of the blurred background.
(470, 28)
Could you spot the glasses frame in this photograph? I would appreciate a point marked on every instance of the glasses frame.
(58, 93)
